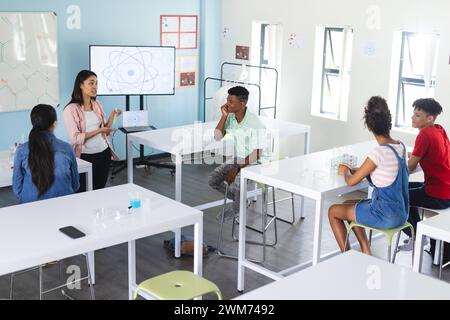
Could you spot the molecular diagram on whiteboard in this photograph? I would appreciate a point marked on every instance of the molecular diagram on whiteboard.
(130, 69)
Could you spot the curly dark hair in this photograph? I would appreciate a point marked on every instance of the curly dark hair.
(428, 105)
(377, 116)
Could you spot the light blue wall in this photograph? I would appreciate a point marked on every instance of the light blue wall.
(134, 22)
(210, 44)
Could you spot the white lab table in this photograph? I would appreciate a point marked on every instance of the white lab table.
(437, 227)
(307, 175)
(6, 172)
(352, 276)
(29, 233)
(199, 137)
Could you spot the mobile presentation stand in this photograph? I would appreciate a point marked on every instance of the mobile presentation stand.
(142, 159)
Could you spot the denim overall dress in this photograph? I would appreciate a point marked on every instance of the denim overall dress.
(389, 205)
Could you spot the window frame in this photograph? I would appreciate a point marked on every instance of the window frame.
(262, 46)
(400, 102)
(329, 71)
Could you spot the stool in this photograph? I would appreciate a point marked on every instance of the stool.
(277, 157)
(388, 233)
(264, 227)
(42, 292)
(178, 285)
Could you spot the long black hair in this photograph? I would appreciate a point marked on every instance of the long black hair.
(77, 95)
(41, 154)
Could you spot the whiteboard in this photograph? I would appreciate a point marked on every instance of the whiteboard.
(28, 60)
(131, 70)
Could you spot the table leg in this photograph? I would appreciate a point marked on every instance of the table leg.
(91, 257)
(317, 231)
(307, 143)
(242, 223)
(89, 182)
(130, 160)
(198, 248)
(437, 258)
(418, 250)
(178, 176)
(302, 207)
(131, 268)
(178, 182)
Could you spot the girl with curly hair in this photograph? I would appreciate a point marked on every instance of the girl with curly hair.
(386, 169)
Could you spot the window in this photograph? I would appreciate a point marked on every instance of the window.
(416, 73)
(264, 48)
(332, 72)
(266, 52)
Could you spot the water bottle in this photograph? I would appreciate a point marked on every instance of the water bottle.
(334, 165)
(12, 153)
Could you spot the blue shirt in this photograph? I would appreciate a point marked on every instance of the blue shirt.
(66, 173)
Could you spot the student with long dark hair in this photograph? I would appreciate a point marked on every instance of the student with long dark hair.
(44, 167)
(88, 128)
(386, 169)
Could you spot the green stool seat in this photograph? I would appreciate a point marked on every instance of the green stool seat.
(178, 285)
(388, 233)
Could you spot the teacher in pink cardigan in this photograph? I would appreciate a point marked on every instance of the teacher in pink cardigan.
(88, 128)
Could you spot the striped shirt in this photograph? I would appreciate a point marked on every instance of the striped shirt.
(387, 164)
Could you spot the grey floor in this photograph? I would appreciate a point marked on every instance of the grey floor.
(153, 258)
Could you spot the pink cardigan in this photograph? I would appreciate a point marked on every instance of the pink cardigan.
(75, 123)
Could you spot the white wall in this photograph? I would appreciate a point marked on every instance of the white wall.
(370, 74)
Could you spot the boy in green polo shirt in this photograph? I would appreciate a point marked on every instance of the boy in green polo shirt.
(249, 136)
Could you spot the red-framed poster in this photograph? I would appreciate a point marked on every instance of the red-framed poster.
(179, 31)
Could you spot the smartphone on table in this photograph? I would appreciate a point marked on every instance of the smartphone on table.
(72, 232)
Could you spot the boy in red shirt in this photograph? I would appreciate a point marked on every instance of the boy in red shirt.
(432, 151)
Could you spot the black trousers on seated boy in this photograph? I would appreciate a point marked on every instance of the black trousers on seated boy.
(418, 198)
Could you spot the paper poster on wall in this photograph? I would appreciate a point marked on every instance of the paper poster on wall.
(188, 40)
(169, 24)
(370, 48)
(170, 40)
(186, 70)
(242, 52)
(294, 41)
(187, 63)
(226, 33)
(180, 31)
(188, 24)
(187, 79)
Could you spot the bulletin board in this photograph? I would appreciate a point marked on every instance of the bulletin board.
(179, 31)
